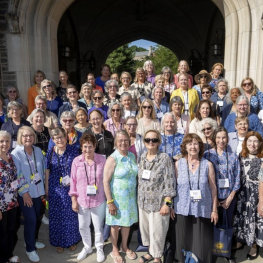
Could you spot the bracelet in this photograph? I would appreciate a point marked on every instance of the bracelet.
(108, 202)
(168, 201)
(215, 212)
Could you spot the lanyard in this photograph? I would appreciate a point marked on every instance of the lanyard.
(66, 163)
(189, 175)
(34, 157)
(219, 163)
(172, 145)
(94, 172)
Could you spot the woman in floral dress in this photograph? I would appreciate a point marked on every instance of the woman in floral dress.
(248, 224)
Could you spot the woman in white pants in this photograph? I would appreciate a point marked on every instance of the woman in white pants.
(88, 197)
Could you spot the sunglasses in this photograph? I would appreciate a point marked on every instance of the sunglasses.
(153, 140)
(205, 92)
(47, 86)
(97, 98)
(207, 129)
(70, 121)
(12, 91)
(247, 84)
(202, 77)
(117, 110)
(147, 107)
(72, 92)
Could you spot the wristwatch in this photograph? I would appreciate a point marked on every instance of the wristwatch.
(168, 204)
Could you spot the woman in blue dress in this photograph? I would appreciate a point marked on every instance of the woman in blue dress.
(63, 221)
(171, 139)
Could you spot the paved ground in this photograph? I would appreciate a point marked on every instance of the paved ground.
(49, 254)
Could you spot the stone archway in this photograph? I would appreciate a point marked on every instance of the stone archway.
(36, 45)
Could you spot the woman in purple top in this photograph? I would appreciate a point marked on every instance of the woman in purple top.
(87, 195)
(150, 70)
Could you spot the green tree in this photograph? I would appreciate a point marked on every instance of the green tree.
(121, 59)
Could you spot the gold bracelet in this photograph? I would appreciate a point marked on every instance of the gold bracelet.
(108, 202)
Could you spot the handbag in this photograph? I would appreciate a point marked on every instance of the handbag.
(223, 238)
(190, 257)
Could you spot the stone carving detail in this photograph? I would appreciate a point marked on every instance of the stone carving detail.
(13, 23)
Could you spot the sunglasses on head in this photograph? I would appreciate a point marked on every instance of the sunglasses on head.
(115, 110)
(97, 98)
(207, 129)
(153, 140)
(146, 107)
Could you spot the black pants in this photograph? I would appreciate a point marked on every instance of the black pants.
(7, 234)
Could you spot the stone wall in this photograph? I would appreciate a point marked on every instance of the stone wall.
(6, 77)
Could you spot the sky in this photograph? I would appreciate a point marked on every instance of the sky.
(143, 43)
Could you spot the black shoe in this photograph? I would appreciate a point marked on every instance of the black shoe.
(249, 257)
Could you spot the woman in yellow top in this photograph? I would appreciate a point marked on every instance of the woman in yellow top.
(35, 90)
(189, 97)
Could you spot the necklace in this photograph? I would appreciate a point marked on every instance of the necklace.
(192, 163)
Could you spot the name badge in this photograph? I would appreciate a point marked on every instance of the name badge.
(195, 195)
(159, 115)
(186, 106)
(146, 175)
(224, 183)
(180, 130)
(220, 103)
(91, 190)
(66, 181)
(35, 179)
(14, 185)
(14, 144)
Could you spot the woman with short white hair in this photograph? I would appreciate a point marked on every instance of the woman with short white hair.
(149, 68)
(111, 92)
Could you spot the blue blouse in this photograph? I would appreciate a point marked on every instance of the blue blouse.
(87, 106)
(198, 89)
(256, 101)
(171, 144)
(54, 105)
(254, 123)
(164, 107)
(222, 170)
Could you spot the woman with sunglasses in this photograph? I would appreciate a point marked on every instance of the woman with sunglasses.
(248, 223)
(254, 95)
(189, 96)
(147, 118)
(217, 70)
(115, 121)
(202, 78)
(227, 173)
(236, 138)
(35, 90)
(86, 95)
(111, 92)
(207, 127)
(73, 104)
(63, 221)
(203, 110)
(156, 188)
(82, 119)
(105, 140)
(98, 104)
(12, 94)
(48, 90)
(171, 139)
(183, 68)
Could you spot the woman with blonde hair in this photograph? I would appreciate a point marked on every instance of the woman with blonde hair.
(217, 70)
(35, 90)
(147, 118)
(86, 95)
(48, 90)
(183, 68)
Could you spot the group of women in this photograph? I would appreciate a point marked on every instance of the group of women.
(145, 152)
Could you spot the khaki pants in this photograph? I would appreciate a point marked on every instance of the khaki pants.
(153, 227)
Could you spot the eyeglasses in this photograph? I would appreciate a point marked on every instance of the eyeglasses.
(202, 77)
(115, 110)
(206, 92)
(207, 129)
(131, 124)
(166, 73)
(15, 110)
(153, 140)
(147, 107)
(47, 86)
(247, 84)
(58, 138)
(112, 87)
(72, 92)
(12, 91)
(28, 136)
(123, 141)
(95, 119)
(39, 104)
(97, 98)
(242, 105)
(68, 120)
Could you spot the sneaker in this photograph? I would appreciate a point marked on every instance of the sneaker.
(45, 220)
(33, 256)
(100, 255)
(83, 254)
(40, 245)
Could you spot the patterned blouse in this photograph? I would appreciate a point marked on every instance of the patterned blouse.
(226, 166)
(151, 193)
(8, 174)
(256, 101)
